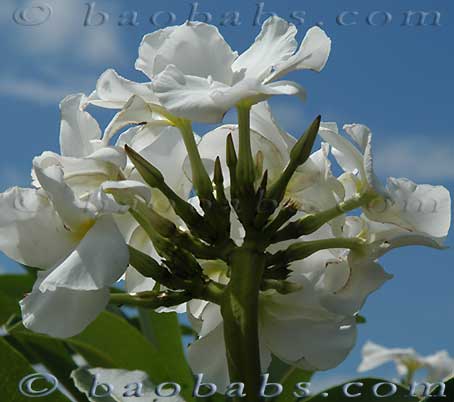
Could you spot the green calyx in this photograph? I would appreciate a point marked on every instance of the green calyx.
(266, 217)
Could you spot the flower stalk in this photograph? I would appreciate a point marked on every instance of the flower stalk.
(239, 309)
(200, 178)
(312, 222)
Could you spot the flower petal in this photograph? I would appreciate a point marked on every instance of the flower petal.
(167, 152)
(312, 55)
(100, 259)
(135, 111)
(187, 47)
(190, 97)
(207, 356)
(31, 232)
(422, 208)
(212, 145)
(274, 45)
(127, 190)
(348, 296)
(74, 213)
(263, 122)
(113, 91)
(346, 154)
(79, 131)
(303, 342)
(61, 313)
(375, 355)
(440, 366)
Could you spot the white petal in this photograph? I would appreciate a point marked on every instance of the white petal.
(113, 155)
(304, 342)
(99, 260)
(195, 48)
(263, 122)
(421, 208)
(274, 45)
(213, 143)
(74, 213)
(285, 88)
(78, 129)
(83, 175)
(167, 153)
(211, 319)
(31, 232)
(363, 277)
(375, 355)
(135, 282)
(61, 313)
(105, 204)
(301, 305)
(440, 366)
(113, 91)
(346, 154)
(207, 101)
(135, 111)
(190, 97)
(360, 134)
(312, 54)
(207, 355)
(127, 190)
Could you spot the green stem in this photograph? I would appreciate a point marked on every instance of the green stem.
(151, 299)
(301, 250)
(240, 313)
(311, 223)
(201, 180)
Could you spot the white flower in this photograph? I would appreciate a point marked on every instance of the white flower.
(75, 232)
(195, 74)
(89, 256)
(439, 366)
(423, 209)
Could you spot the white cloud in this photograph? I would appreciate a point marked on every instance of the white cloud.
(416, 157)
(64, 32)
(35, 90)
(58, 57)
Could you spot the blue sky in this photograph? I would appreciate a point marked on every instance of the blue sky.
(396, 79)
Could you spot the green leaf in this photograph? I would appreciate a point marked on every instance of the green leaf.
(167, 333)
(12, 289)
(8, 308)
(52, 353)
(337, 394)
(288, 376)
(13, 368)
(449, 392)
(111, 342)
(16, 286)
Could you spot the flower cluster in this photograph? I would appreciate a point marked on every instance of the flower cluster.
(185, 220)
(439, 366)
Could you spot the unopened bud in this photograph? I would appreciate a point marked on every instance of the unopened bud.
(152, 176)
(303, 148)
